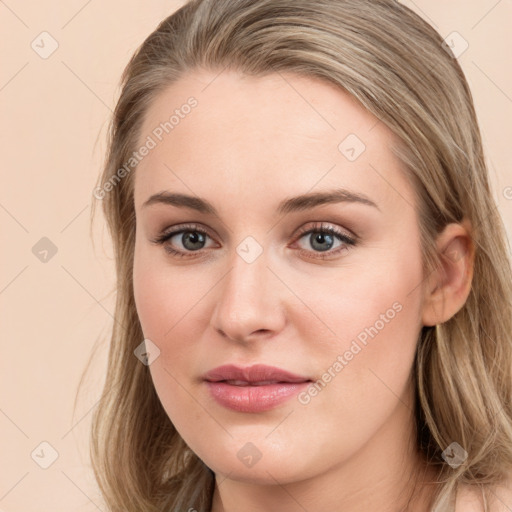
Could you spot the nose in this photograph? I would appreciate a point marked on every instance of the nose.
(250, 301)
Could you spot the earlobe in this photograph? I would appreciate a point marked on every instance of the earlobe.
(448, 287)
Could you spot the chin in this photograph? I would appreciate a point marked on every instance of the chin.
(266, 465)
(262, 473)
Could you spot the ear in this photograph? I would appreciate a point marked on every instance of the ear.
(448, 286)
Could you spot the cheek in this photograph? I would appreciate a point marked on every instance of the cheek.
(164, 294)
(167, 305)
(174, 309)
(365, 343)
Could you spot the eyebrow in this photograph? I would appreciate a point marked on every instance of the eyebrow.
(292, 204)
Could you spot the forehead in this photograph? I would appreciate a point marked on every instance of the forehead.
(254, 137)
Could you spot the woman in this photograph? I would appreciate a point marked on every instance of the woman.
(314, 296)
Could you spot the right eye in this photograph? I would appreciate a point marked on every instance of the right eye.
(191, 237)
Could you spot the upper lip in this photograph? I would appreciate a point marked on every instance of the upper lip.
(252, 374)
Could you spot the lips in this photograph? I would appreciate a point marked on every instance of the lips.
(253, 389)
(256, 375)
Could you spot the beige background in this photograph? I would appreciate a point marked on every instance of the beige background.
(53, 124)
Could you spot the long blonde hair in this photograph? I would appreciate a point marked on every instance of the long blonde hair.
(396, 65)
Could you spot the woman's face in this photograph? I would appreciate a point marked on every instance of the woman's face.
(263, 283)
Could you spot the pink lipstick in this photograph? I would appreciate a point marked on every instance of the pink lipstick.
(255, 388)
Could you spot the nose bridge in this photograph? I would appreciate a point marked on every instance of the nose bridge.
(247, 300)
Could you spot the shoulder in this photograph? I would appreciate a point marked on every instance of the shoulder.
(470, 499)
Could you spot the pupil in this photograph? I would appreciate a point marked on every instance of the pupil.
(322, 238)
(193, 237)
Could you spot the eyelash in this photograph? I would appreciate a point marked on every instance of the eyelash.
(317, 228)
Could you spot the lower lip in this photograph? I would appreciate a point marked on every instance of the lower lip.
(254, 398)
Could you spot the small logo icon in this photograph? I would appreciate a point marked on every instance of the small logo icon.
(249, 249)
(44, 250)
(454, 455)
(351, 147)
(454, 255)
(249, 454)
(455, 44)
(147, 352)
(44, 455)
(44, 45)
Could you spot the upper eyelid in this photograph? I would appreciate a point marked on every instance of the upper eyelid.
(323, 225)
(175, 230)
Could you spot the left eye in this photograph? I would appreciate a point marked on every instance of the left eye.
(322, 240)
(322, 237)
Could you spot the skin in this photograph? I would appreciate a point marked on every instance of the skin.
(249, 144)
